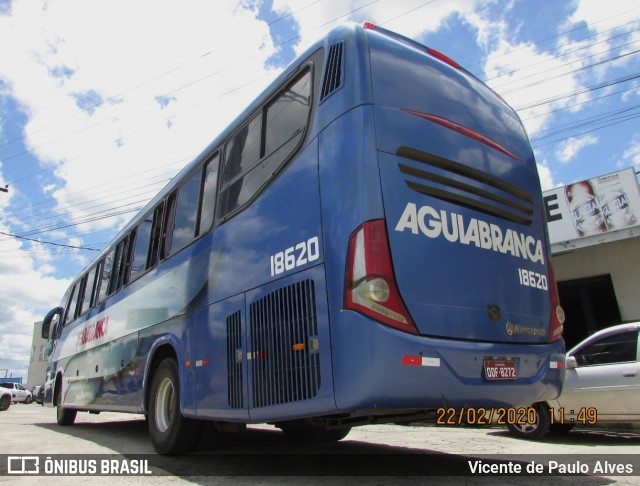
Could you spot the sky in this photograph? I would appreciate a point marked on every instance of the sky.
(102, 102)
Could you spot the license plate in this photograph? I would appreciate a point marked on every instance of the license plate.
(499, 370)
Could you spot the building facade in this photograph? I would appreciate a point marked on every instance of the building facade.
(594, 228)
(37, 362)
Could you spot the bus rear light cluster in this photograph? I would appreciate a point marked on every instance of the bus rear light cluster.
(557, 312)
(370, 286)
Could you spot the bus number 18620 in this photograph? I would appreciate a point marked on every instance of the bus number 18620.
(295, 256)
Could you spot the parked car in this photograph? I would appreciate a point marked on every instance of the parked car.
(18, 392)
(5, 399)
(602, 384)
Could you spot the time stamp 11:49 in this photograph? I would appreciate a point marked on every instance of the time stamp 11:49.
(513, 416)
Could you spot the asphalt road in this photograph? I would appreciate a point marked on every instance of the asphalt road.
(375, 454)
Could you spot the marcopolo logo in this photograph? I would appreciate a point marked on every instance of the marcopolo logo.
(517, 329)
(456, 229)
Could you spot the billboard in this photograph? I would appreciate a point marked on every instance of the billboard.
(594, 207)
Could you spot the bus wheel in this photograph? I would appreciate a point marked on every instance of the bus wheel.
(313, 433)
(64, 416)
(533, 430)
(170, 431)
(5, 402)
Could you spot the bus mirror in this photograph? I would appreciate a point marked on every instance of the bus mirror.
(48, 319)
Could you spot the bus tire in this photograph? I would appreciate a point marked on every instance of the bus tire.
(533, 430)
(308, 434)
(64, 416)
(170, 431)
(5, 402)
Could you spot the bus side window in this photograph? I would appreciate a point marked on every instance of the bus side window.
(182, 223)
(80, 300)
(119, 265)
(207, 206)
(70, 312)
(156, 236)
(105, 278)
(89, 289)
(286, 119)
(241, 153)
(279, 131)
(141, 245)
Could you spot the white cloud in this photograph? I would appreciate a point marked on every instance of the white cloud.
(157, 81)
(96, 56)
(631, 155)
(27, 290)
(546, 177)
(569, 149)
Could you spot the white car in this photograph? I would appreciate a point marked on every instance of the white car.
(602, 384)
(19, 393)
(5, 399)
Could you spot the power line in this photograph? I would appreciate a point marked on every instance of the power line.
(44, 229)
(42, 242)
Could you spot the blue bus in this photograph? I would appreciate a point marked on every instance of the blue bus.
(365, 243)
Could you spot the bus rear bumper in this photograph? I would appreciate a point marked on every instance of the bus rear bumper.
(377, 367)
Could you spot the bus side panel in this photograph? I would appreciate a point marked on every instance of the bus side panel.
(288, 352)
(173, 334)
(274, 246)
(84, 376)
(220, 367)
(122, 385)
(350, 189)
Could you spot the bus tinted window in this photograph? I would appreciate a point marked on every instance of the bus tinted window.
(209, 194)
(70, 313)
(106, 276)
(287, 118)
(243, 150)
(285, 122)
(118, 267)
(156, 235)
(186, 213)
(141, 248)
(87, 301)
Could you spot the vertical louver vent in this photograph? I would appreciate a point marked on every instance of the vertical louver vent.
(284, 345)
(234, 360)
(333, 71)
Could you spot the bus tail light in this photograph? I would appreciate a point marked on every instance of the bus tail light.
(370, 286)
(557, 313)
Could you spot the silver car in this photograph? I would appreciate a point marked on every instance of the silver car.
(602, 385)
(19, 393)
(5, 399)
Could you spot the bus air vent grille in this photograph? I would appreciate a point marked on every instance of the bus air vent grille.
(284, 345)
(466, 186)
(333, 71)
(234, 360)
